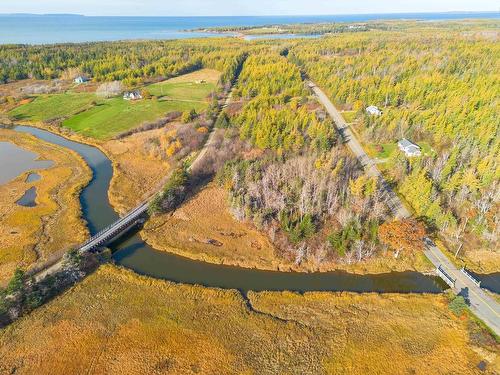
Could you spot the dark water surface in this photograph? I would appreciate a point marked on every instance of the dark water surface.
(36, 29)
(29, 198)
(135, 254)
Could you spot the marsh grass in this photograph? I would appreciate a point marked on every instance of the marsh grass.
(118, 322)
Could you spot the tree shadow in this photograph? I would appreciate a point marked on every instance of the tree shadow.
(464, 292)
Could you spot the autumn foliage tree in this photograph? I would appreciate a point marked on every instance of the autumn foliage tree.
(402, 235)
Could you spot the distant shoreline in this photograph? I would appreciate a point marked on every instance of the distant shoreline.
(481, 12)
(36, 29)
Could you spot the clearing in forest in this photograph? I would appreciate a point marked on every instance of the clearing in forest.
(193, 86)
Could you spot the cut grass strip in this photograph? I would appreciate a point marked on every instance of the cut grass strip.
(116, 115)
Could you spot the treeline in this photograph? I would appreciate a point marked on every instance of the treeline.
(127, 61)
(300, 28)
(435, 86)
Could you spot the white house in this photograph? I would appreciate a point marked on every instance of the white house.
(409, 148)
(80, 79)
(132, 95)
(373, 110)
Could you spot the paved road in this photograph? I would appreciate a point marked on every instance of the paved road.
(371, 169)
(481, 303)
(485, 307)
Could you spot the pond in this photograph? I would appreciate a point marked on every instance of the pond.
(15, 160)
(132, 252)
(33, 177)
(28, 199)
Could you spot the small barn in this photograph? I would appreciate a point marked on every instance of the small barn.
(373, 110)
(132, 95)
(409, 148)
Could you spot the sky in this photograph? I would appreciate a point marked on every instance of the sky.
(241, 7)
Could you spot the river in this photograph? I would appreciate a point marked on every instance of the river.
(132, 252)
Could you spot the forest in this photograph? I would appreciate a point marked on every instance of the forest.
(299, 29)
(303, 188)
(434, 86)
(130, 62)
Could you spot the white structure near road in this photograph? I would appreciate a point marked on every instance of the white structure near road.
(409, 148)
(373, 110)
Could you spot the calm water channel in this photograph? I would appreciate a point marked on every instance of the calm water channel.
(133, 253)
(15, 160)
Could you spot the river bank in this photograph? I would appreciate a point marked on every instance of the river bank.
(54, 221)
(204, 229)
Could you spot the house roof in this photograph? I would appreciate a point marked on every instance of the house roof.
(408, 145)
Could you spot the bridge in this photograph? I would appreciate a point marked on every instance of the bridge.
(137, 215)
(116, 229)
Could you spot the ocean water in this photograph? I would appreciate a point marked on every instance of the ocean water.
(38, 29)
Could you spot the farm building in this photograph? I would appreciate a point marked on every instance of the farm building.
(80, 79)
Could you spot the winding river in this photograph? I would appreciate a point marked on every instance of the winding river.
(132, 252)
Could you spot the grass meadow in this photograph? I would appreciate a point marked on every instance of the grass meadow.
(44, 108)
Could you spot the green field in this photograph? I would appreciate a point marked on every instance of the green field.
(388, 149)
(93, 117)
(48, 107)
(182, 90)
(116, 115)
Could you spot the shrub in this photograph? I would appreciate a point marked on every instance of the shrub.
(223, 121)
(173, 192)
(457, 305)
(16, 284)
(342, 240)
(189, 116)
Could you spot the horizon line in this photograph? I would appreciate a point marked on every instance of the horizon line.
(254, 15)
